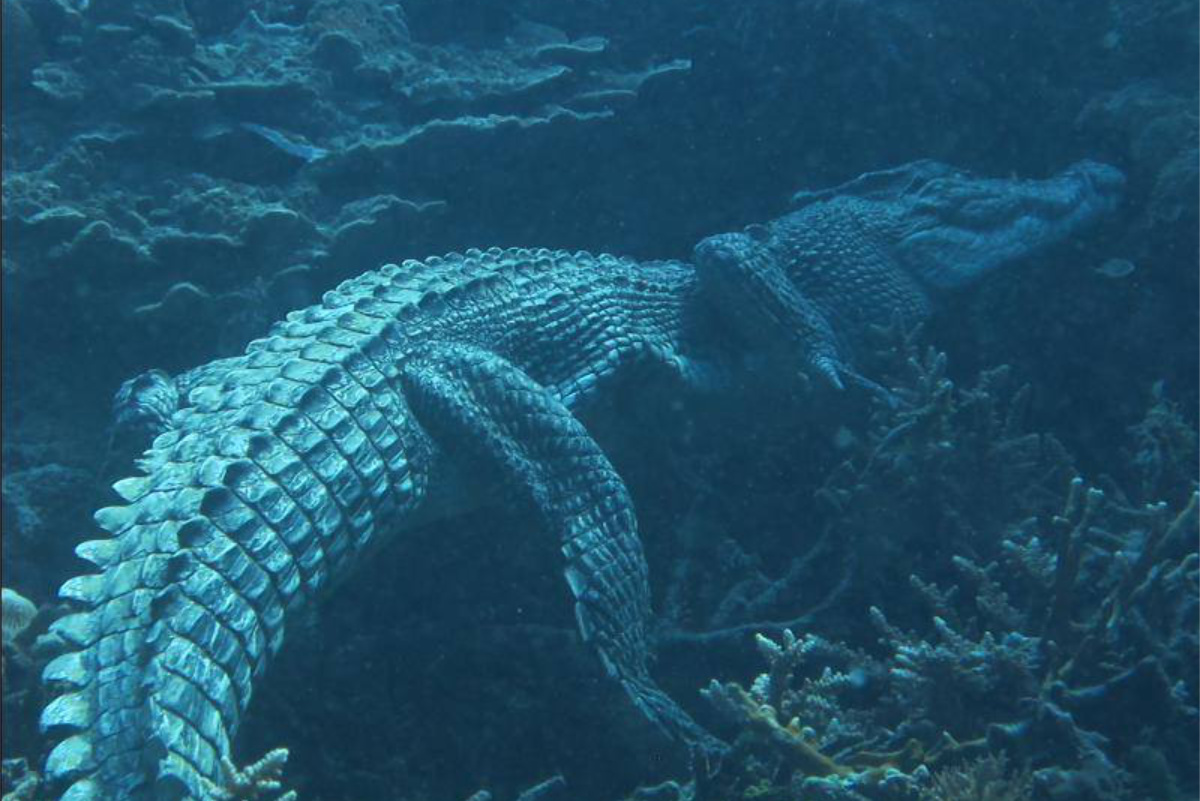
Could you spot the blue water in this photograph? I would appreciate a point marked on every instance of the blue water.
(977, 561)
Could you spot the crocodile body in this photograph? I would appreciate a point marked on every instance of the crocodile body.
(355, 419)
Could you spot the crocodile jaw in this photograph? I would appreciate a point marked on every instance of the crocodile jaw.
(957, 228)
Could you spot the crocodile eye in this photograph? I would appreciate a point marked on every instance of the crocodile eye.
(723, 249)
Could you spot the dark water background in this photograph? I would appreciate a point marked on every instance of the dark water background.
(179, 173)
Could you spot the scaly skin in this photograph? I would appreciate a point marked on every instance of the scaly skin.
(350, 421)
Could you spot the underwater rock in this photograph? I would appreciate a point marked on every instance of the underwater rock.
(379, 228)
(59, 85)
(212, 258)
(48, 230)
(99, 249)
(23, 50)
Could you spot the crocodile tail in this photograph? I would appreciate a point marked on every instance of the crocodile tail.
(150, 698)
(248, 511)
(189, 604)
(271, 482)
(231, 531)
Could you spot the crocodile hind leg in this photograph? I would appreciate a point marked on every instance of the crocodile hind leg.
(483, 408)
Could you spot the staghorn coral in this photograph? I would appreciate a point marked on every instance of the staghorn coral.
(984, 779)
(959, 682)
(1055, 623)
(1165, 449)
(258, 780)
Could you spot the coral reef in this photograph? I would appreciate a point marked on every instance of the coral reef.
(1054, 629)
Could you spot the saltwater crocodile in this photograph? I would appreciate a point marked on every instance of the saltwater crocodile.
(357, 418)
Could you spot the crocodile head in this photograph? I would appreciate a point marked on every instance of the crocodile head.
(951, 227)
(873, 250)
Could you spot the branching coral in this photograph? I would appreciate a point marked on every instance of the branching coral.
(255, 781)
(985, 779)
(18, 613)
(1018, 609)
(1165, 449)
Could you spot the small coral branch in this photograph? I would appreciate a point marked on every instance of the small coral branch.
(782, 658)
(760, 720)
(1183, 525)
(18, 613)
(1070, 530)
(254, 781)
